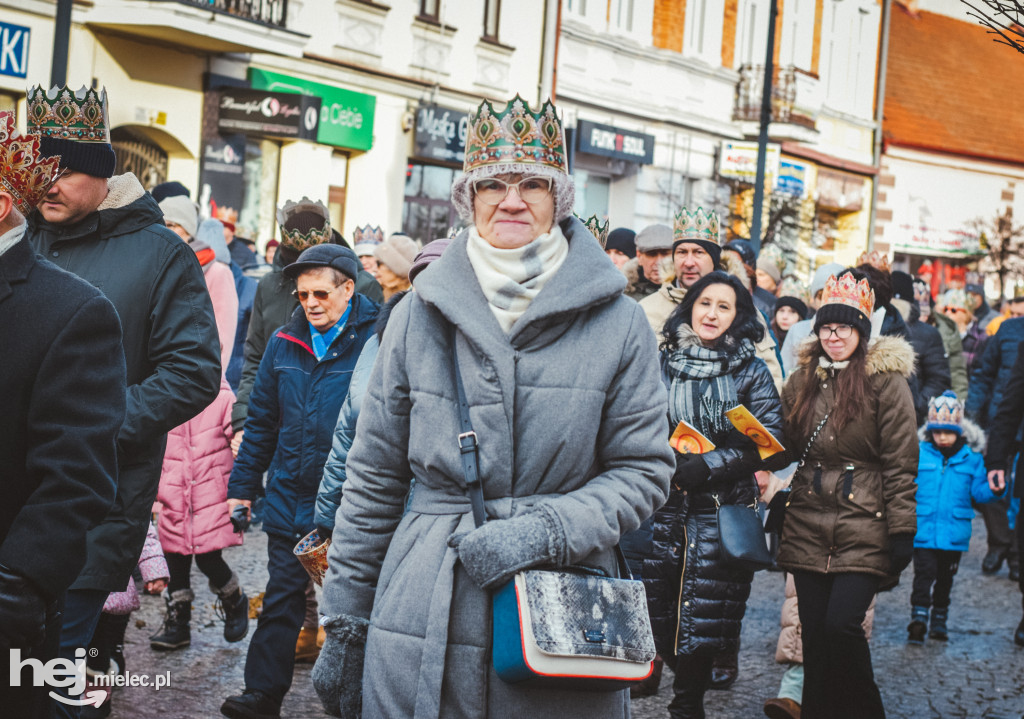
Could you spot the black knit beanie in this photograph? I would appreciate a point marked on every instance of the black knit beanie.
(840, 314)
(623, 240)
(92, 158)
(794, 303)
(305, 221)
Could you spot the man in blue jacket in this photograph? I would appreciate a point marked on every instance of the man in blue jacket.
(302, 380)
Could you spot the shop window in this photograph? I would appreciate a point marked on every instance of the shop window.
(428, 213)
(430, 10)
(259, 206)
(336, 189)
(592, 193)
(492, 13)
(138, 155)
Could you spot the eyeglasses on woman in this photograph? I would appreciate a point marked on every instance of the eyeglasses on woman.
(492, 191)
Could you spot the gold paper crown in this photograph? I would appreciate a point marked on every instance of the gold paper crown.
(878, 260)
(791, 286)
(23, 174)
(61, 113)
(516, 134)
(367, 235)
(296, 239)
(847, 291)
(598, 229)
(699, 225)
(227, 216)
(954, 298)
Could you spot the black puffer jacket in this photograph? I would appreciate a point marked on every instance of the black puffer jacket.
(696, 603)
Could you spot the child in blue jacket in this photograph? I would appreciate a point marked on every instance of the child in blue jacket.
(950, 473)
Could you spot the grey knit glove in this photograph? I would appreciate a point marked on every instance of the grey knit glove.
(493, 553)
(338, 672)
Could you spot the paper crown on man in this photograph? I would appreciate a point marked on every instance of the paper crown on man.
(73, 125)
(24, 173)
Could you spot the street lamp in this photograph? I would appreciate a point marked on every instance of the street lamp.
(762, 138)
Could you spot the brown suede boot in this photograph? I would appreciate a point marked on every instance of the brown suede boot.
(307, 648)
(780, 708)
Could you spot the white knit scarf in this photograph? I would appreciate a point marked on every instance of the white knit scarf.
(510, 279)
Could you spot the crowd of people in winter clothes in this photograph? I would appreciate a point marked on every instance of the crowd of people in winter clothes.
(317, 391)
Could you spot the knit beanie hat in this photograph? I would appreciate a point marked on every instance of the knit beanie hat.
(428, 254)
(768, 266)
(398, 253)
(744, 249)
(822, 274)
(794, 303)
(623, 240)
(945, 412)
(168, 189)
(181, 211)
(92, 158)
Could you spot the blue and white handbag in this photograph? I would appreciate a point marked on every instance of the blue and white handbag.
(570, 627)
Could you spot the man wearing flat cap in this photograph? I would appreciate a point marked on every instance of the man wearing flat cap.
(110, 232)
(302, 380)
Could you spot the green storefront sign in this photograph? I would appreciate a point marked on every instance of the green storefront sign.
(346, 117)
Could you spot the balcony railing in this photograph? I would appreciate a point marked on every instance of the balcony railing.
(267, 12)
(795, 98)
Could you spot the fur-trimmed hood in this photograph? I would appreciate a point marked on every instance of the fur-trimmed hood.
(972, 433)
(122, 190)
(885, 354)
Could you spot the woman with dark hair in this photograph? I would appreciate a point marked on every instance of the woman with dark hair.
(709, 364)
(851, 517)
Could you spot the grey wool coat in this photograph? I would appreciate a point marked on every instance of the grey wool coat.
(570, 412)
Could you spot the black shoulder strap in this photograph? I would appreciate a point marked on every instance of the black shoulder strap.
(468, 442)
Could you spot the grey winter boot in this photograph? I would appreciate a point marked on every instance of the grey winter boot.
(938, 626)
(918, 626)
(176, 632)
(233, 608)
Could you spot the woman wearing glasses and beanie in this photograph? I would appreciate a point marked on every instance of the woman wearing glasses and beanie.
(850, 523)
(562, 381)
(302, 380)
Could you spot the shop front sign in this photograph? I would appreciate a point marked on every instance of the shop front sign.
(440, 134)
(738, 161)
(346, 117)
(222, 170)
(924, 240)
(608, 141)
(792, 179)
(840, 190)
(14, 50)
(278, 114)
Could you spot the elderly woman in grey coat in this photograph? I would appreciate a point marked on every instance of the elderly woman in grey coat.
(562, 380)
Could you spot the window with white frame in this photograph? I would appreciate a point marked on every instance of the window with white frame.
(492, 13)
(577, 7)
(751, 32)
(849, 55)
(703, 32)
(620, 15)
(796, 42)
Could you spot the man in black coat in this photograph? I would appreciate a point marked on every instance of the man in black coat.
(63, 390)
(933, 373)
(110, 232)
(1003, 444)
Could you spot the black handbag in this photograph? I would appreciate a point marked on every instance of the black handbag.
(741, 537)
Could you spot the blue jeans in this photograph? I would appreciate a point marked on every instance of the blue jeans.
(82, 609)
(271, 658)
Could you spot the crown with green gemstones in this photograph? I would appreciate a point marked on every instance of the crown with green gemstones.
(696, 226)
(296, 239)
(598, 229)
(516, 134)
(68, 115)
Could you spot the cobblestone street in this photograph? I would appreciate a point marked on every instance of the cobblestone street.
(978, 673)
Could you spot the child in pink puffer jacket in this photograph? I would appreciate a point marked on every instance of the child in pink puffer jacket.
(194, 522)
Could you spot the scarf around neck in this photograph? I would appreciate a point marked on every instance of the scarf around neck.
(701, 387)
(511, 279)
(322, 341)
(10, 238)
